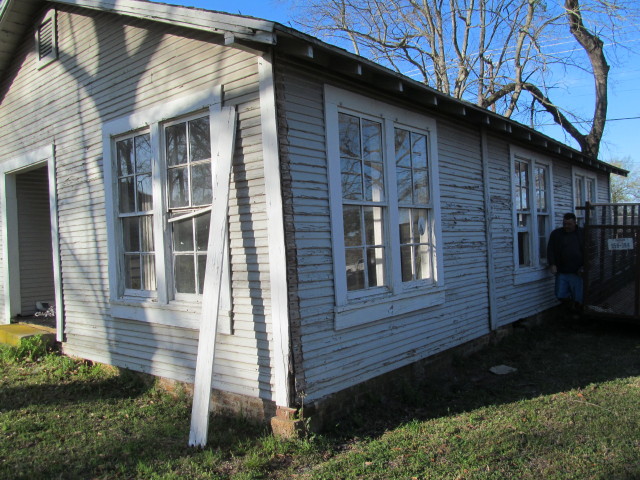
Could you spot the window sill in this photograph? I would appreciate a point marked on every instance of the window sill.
(531, 275)
(174, 314)
(373, 309)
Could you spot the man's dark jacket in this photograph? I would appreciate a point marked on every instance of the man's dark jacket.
(572, 241)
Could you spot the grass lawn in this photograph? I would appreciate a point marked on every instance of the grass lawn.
(570, 411)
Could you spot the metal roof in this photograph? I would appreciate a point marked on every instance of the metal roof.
(16, 18)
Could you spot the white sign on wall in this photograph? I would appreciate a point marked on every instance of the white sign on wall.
(620, 243)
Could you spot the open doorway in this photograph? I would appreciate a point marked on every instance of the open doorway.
(37, 291)
(30, 254)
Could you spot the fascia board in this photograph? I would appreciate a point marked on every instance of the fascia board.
(248, 28)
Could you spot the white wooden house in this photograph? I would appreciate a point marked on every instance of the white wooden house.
(372, 221)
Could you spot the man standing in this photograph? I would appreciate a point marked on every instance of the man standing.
(565, 253)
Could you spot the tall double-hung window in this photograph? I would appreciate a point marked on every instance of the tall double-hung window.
(385, 215)
(584, 190)
(159, 183)
(135, 210)
(532, 205)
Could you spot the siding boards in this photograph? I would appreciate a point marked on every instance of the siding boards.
(334, 360)
(109, 69)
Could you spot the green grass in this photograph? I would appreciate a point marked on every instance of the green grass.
(571, 411)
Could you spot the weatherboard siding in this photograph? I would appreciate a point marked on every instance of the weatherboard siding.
(110, 67)
(335, 359)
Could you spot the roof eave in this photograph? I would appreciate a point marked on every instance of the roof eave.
(238, 26)
(311, 49)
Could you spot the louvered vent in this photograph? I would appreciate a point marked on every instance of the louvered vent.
(45, 35)
(46, 40)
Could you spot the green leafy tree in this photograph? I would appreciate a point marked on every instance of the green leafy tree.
(625, 189)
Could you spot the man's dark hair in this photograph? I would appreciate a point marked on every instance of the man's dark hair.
(569, 216)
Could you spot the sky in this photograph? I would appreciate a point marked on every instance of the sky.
(622, 132)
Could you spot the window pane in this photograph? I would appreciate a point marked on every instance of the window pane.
(349, 135)
(202, 231)
(403, 157)
(372, 141)
(523, 220)
(373, 225)
(143, 153)
(354, 259)
(131, 234)
(424, 268)
(132, 272)
(590, 190)
(405, 184)
(183, 235)
(124, 149)
(178, 187)
(199, 139)
(144, 193)
(521, 181)
(421, 186)
(352, 226)
(579, 188)
(541, 189)
(126, 194)
(202, 266)
(185, 278)
(419, 151)
(524, 257)
(406, 263)
(176, 144)
(373, 182)
(375, 266)
(542, 237)
(149, 272)
(420, 226)
(146, 233)
(201, 190)
(351, 179)
(404, 220)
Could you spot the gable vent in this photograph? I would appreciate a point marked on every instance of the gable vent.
(46, 40)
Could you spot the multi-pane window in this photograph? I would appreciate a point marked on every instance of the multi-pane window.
(189, 196)
(365, 208)
(134, 164)
(412, 178)
(185, 202)
(383, 183)
(584, 190)
(159, 195)
(523, 211)
(363, 201)
(382, 200)
(532, 205)
(542, 211)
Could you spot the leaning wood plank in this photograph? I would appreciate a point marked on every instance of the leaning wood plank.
(223, 127)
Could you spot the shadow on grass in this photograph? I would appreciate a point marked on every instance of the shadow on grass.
(548, 359)
(78, 392)
(118, 427)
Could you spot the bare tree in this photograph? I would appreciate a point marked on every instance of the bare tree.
(497, 53)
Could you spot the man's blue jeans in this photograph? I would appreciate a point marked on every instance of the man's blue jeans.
(569, 286)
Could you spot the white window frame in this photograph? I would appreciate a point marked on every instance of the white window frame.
(163, 306)
(586, 177)
(396, 298)
(44, 60)
(535, 271)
